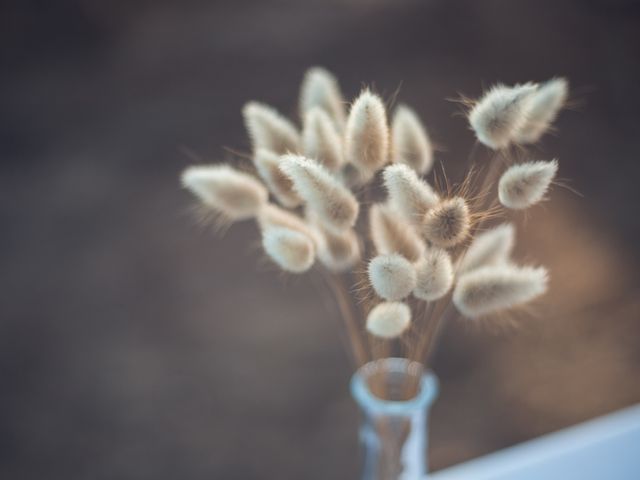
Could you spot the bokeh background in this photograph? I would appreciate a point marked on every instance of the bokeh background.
(135, 345)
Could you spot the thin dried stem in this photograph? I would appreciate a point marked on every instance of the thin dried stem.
(341, 294)
(434, 312)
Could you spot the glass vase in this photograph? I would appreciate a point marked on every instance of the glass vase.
(394, 395)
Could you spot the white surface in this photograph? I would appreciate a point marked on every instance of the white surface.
(605, 448)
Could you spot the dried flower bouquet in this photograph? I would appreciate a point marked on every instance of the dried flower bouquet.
(403, 265)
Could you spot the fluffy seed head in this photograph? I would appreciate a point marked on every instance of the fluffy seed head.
(392, 234)
(524, 185)
(270, 130)
(339, 252)
(367, 135)
(546, 103)
(410, 143)
(494, 288)
(408, 194)
(392, 276)
(320, 89)
(447, 224)
(320, 139)
(271, 216)
(234, 195)
(489, 248)
(501, 113)
(291, 250)
(268, 166)
(434, 275)
(388, 319)
(333, 204)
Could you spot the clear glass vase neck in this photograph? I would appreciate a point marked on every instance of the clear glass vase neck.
(394, 396)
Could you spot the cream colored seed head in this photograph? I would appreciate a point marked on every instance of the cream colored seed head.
(270, 130)
(489, 248)
(491, 289)
(448, 223)
(408, 194)
(434, 275)
(388, 319)
(333, 204)
(500, 114)
(392, 276)
(339, 252)
(271, 216)
(367, 135)
(268, 166)
(525, 184)
(234, 195)
(321, 141)
(546, 103)
(320, 89)
(390, 233)
(410, 143)
(291, 250)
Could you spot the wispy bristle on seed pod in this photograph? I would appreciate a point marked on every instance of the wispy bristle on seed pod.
(390, 233)
(489, 248)
(338, 252)
(408, 194)
(320, 139)
(388, 319)
(335, 206)
(270, 130)
(546, 103)
(367, 135)
(494, 288)
(447, 224)
(268, 166)
(524, 185)
(320, 89)
(291, 250)
(501, 113)
(410, 143)
(232, 194)
(434, 275)
(392, 276)
(271, 216)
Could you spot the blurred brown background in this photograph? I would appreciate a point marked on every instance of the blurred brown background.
(135, 345)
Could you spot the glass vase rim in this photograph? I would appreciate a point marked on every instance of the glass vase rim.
(428, 388)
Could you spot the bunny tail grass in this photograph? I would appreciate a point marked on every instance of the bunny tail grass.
(367, 135)
(500, 114)
(271, 216)
(525, 184)
(491, 289)
(270, 130)
(410, 143)
(489, 248)
(392, 276)
(335, 206)
(268, 166)
(232, 194)
(291, 250)
(435, 253)
(434, 275)
(546, 103)
(408, 194)
(338, 252)
(388, 319)
(320, 139)
(392, 234)
(320, 89)
(448, 223)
